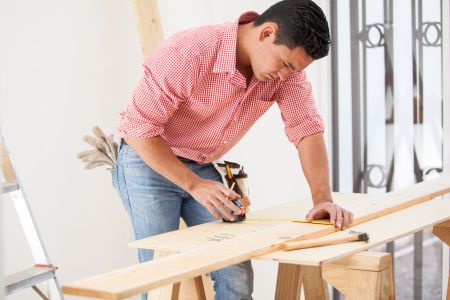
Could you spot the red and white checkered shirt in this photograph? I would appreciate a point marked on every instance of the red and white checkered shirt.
(192, 95)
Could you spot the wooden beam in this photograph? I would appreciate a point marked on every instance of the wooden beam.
(289, 282)
(291, 278)
(442, 231)
(366, 275)
(143, 277)
(148, 24)
(314, 287)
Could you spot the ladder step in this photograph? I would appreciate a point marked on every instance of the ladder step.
(27, 278)
(9, 187)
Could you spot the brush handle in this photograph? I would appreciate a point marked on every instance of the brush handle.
(288, 246)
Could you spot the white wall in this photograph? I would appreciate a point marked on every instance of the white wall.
(66, 66)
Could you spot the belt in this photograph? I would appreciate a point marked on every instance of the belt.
(123, 142)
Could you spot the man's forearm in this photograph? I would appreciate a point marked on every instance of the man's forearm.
(314, 161)
(156, 153)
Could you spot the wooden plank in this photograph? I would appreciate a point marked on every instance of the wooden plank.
(143, 277)
(213, 233)
(149, 25)
(405, 222)
(135, 279)
(365, 261)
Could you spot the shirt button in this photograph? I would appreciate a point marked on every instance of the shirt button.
(225, 142)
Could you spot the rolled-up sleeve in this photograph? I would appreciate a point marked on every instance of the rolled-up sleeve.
(168, 79)
(298, 109)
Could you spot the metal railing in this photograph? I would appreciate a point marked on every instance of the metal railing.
(393, 61)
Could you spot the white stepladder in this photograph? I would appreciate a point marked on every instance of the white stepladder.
(43, 271)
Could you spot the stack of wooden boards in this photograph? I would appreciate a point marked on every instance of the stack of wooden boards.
(233, 243)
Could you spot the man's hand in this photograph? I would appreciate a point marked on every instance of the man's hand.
(215, 197)
(245, 201)
(340, 217)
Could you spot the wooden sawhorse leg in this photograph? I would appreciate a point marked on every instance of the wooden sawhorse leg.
(198, 288)
(366, 275)
(291, 277)
(442, 231)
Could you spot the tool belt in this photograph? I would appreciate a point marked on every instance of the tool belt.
(238, 176)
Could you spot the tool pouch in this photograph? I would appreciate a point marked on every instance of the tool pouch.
(233, 176)
(239, 176)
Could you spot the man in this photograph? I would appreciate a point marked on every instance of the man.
(200, 93)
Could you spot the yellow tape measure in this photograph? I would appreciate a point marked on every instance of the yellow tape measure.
(322, 222)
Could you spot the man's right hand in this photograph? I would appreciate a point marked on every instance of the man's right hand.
(215, 197)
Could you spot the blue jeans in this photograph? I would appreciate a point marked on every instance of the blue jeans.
(155, 205)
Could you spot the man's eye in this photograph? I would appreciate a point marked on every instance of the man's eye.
(287, 65)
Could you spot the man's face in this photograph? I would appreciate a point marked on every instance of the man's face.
(271, 61)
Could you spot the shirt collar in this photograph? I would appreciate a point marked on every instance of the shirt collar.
(226, 57)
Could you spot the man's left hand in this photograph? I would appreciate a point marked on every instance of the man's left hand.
(340, 217)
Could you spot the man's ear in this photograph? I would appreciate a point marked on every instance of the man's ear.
(268, 30)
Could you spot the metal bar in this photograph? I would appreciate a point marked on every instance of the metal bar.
(10, 187)
(418, 237)
(363, 130)
(334, 95)
(389, 77)
(356, 95)
(420, 61)
(38, 291)
(27, 278)
(418, 265)
(388, 12)
(389, 91)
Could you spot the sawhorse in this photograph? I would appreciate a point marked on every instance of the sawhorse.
(366, 275)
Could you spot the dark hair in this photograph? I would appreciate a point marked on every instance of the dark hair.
(301, 23)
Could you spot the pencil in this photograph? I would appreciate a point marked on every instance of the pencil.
(232, 185)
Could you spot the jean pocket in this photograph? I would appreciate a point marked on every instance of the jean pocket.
(131, 158)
